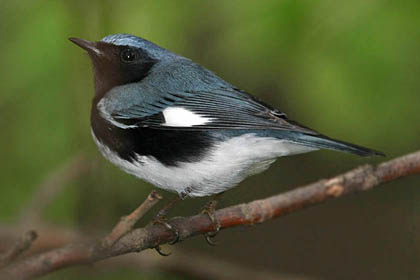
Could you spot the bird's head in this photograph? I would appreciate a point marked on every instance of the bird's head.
(121, 59)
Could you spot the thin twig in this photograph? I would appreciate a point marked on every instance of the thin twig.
(127, 223)
(360, 179)
(20, 246)
(53, 184)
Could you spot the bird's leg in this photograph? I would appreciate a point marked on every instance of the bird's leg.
(210, 209)
(161, 218)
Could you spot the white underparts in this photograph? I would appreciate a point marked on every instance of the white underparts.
(225, 165)
(181, 117)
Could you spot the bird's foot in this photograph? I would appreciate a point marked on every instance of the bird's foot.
(161, 218)
(163, 221)
(210, 210)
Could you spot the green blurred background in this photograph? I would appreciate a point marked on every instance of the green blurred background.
(349, 69)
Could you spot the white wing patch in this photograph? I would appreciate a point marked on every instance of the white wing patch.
(178, 116)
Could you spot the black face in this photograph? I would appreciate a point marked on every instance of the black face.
(118, 65)
(135, 64)
(129, 55)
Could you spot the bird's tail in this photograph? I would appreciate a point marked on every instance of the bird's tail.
(324, 142)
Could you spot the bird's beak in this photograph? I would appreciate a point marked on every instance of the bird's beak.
(89, 46)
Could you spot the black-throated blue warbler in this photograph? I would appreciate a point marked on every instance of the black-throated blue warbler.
(167, 120)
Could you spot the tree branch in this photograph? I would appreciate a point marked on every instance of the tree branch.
(360, 179)
(203, 266)
(127, 223)
(21, 245)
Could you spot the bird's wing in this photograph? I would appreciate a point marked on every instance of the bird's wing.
(223, 108)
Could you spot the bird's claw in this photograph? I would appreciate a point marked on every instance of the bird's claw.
(210, 209)
(208, 236)
(159, 250)
(162, 220)
(174, 231)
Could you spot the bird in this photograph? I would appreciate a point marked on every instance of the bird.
(177, 125)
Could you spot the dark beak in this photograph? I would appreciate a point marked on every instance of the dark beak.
(89, 46)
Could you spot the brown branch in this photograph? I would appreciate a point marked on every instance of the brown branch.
(357, 180)
(20, 246)
(204, 267)
(127, 223)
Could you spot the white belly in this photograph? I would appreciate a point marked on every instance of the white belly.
(225, 166)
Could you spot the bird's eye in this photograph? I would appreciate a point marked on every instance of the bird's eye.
(128, 55)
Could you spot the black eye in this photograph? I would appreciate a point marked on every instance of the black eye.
(128, 55)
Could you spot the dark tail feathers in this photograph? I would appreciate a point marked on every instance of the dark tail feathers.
(324, 142)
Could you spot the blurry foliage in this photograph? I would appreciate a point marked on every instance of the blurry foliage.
(107, 274)
(349, 69)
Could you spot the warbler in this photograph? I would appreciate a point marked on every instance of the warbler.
(175, 124)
